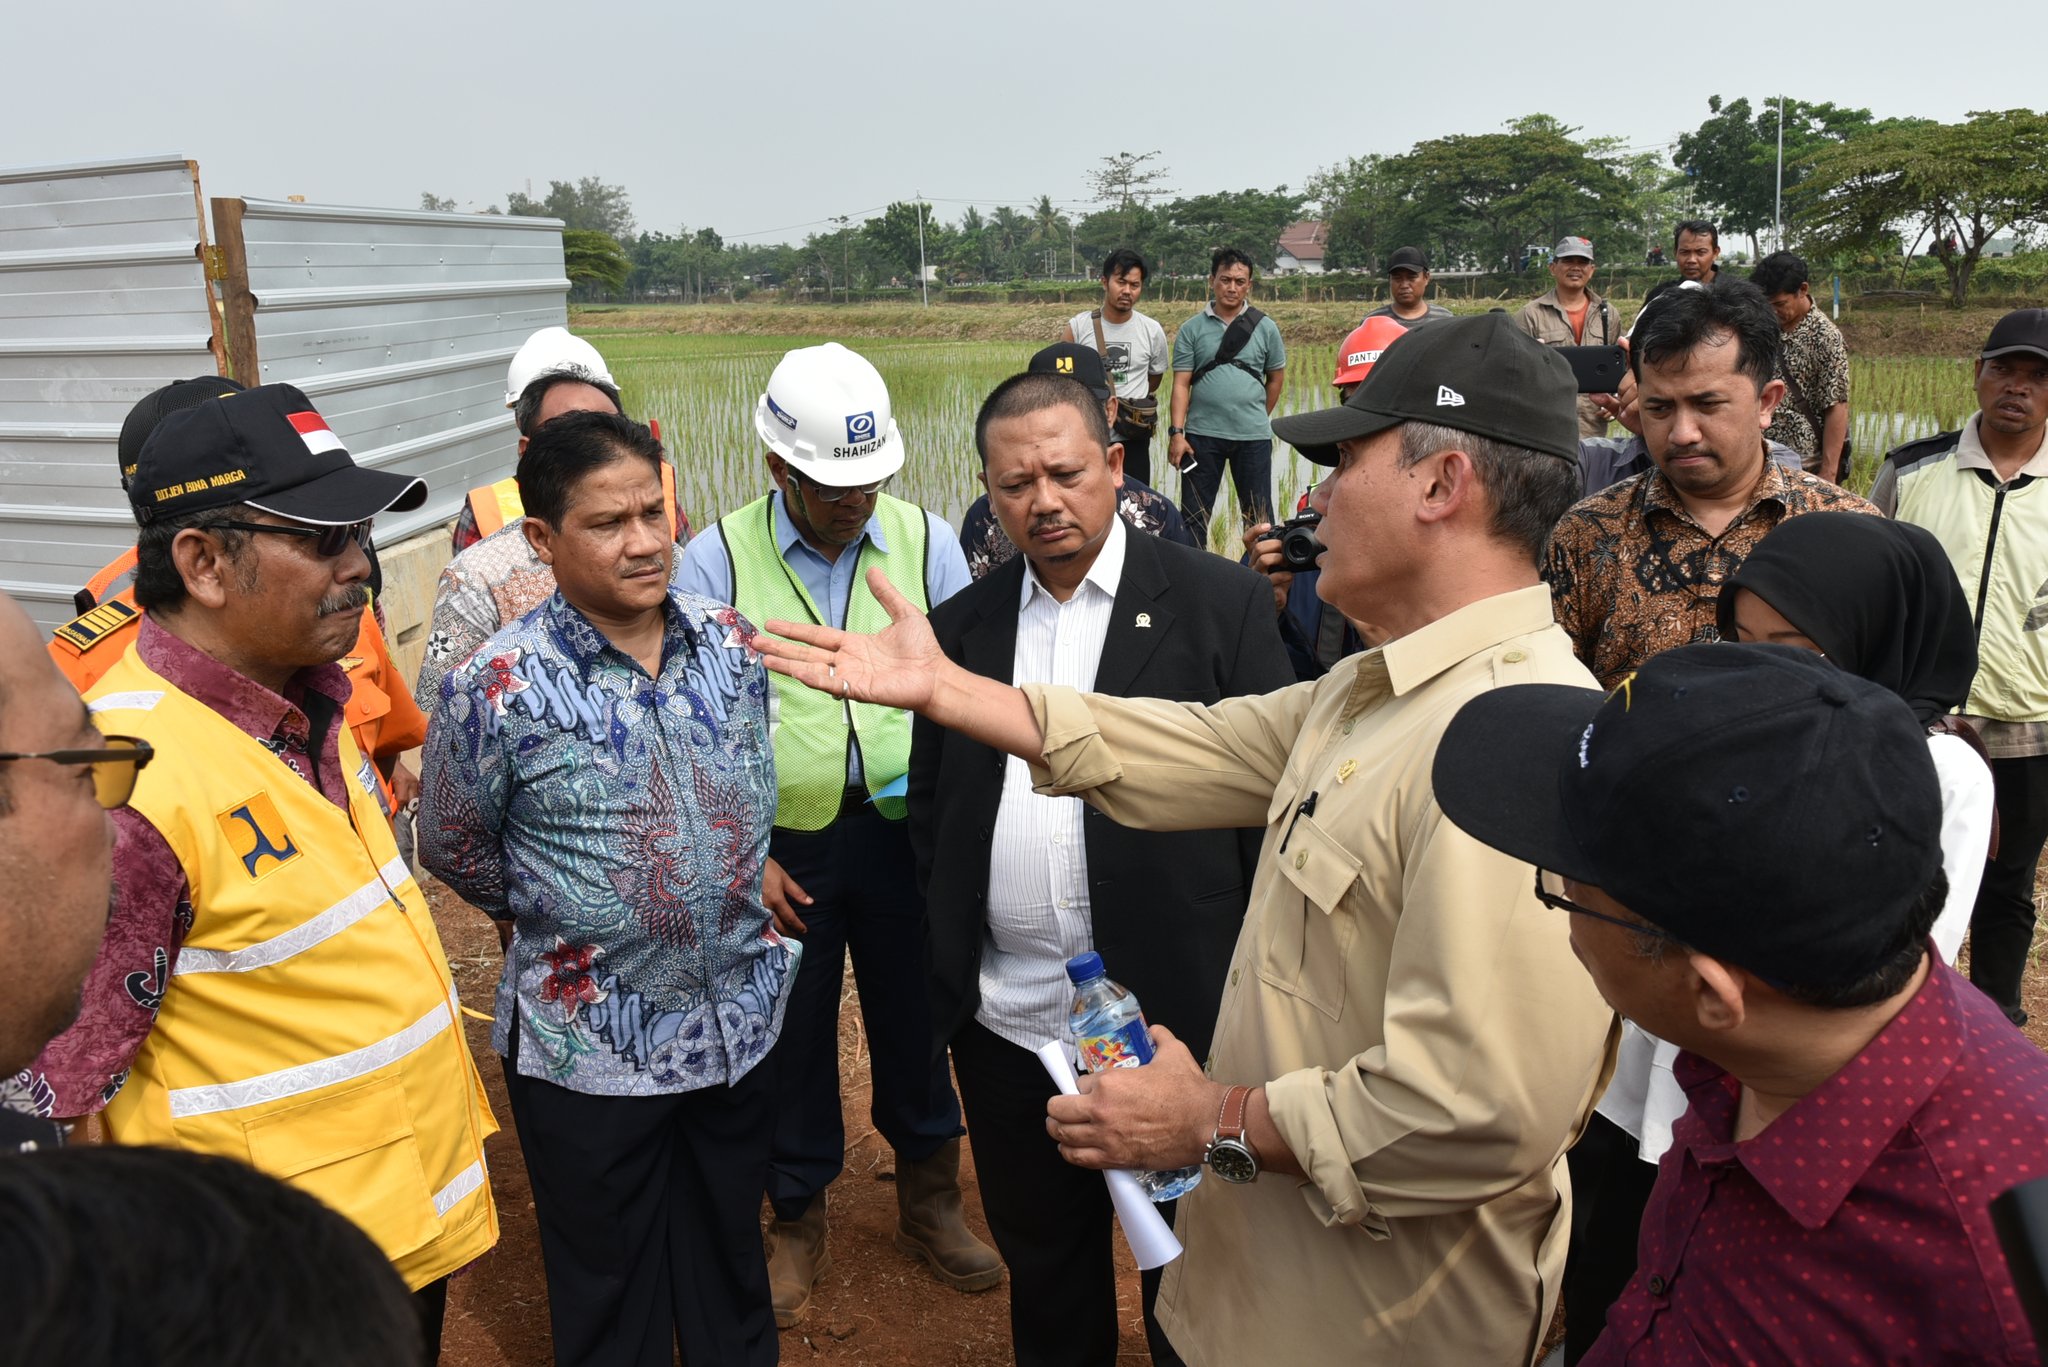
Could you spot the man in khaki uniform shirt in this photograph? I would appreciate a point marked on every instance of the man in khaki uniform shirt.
(1406, 1046)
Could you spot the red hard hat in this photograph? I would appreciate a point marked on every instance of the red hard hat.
(1363, 347)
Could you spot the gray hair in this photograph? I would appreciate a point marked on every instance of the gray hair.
(1530, 490)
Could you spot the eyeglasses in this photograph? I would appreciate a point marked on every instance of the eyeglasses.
(328, 541)
(829, 493)
(113, 768)
(1557, 901)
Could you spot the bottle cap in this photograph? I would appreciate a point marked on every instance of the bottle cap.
(1083, 967)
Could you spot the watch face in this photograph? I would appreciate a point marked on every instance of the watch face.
(1232, 1161)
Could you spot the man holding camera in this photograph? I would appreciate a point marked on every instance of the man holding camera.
(1016, 884)
(1405, 1046)
(1134, 352)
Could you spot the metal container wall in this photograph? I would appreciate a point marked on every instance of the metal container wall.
(103, 298)
(399, 326)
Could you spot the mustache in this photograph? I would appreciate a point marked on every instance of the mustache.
(354, 598)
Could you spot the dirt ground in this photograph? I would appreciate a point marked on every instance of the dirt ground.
(875, 1307)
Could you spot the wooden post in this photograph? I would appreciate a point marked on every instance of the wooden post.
(242, 361)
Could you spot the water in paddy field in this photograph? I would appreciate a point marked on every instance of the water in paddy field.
(703, 390)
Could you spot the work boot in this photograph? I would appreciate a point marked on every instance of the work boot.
(930, 1223)
(797, 1259)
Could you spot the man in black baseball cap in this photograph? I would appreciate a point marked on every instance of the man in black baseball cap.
(1081, 363)
(1408, 284)
(1747, 842)
(1404, 1039)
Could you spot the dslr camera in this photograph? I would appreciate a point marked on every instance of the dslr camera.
(1299, 548)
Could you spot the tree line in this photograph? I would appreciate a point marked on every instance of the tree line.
(1857, 191)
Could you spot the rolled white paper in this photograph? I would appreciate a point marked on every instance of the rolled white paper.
(1145, 1229)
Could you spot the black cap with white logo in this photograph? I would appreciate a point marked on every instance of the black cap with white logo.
(1481, 375)
(266, 447)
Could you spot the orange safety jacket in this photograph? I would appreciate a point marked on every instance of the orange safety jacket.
(380, 713)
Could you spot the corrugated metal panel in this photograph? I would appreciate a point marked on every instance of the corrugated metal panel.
(400, 327)
(103, 298)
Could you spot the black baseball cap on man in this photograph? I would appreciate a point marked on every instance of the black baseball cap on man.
(1481, 375)
(1754, 801)
(1407, 259)
(267, 447)
(1072, 359)
(2020, 330)
(158, 404)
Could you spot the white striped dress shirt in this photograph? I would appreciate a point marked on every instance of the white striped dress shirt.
(1038, 908)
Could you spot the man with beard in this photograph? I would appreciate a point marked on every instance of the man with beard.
(1980, 492)
(1638, 567)
(306, 1021)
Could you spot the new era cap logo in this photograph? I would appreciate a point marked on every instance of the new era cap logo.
(1447, 397)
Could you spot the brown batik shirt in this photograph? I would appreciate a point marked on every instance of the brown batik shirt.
(1814, 364)
(1632, 574)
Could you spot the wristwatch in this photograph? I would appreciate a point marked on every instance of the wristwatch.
(1176, 431)
(1229, 1154)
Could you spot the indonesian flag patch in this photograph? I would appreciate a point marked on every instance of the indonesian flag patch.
(318, 436)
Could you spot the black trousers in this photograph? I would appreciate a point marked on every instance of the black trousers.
(1251, 471)
(1137, 456)
(1052, 1221)
(861, 872)
(430, 1303)
(1610, 1190)
(650, 1211)
(2002, 922)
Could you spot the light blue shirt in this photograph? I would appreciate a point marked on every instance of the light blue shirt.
(706, 570)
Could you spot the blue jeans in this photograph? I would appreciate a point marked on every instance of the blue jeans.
(1251, 471)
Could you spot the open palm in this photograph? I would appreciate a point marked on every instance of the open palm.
(896, 667)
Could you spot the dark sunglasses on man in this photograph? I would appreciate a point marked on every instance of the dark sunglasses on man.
(328, 541)
(113, 768)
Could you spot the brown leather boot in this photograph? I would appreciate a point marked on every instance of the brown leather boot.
(930, 1224)
(797, 1258)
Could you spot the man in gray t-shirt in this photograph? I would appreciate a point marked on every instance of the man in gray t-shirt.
(1134, 352)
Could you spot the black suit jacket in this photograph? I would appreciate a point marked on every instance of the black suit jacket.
(1167, 905)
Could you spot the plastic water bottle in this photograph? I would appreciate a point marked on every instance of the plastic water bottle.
(1108, 1031)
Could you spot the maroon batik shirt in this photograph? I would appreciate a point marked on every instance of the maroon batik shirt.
(1856, 1226)
(79, 1072)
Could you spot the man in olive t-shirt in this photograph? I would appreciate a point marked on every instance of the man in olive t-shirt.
(1224, 418)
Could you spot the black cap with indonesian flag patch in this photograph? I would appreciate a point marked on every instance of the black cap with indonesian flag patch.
(267, 447)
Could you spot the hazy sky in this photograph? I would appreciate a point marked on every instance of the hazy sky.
(764, 120)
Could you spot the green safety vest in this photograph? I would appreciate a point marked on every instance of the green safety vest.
(812, 730)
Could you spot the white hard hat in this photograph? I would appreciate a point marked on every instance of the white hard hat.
(826, 411)
(554, 351)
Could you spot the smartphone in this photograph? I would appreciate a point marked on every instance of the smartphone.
(1598, 369)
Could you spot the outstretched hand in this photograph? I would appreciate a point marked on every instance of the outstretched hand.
(897, 667)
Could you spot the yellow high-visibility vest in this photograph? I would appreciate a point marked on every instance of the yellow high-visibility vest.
(310, 1026)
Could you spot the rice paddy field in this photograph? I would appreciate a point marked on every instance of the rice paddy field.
(703, 388)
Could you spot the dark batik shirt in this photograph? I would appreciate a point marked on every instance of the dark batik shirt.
(1632, 574)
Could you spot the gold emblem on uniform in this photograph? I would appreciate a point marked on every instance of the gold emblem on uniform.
(1346, 770)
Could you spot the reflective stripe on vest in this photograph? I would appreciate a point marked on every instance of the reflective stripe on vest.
(811, 728)
(494, 505)
(310, 1025)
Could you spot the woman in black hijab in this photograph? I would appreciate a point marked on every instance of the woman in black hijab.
(1880, 599)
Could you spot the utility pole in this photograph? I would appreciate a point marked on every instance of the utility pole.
(923, 277)
(845, 261)
(1778, 210)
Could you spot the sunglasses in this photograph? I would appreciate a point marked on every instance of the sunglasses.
(828, 493)
(328, 542)
(113, 768)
